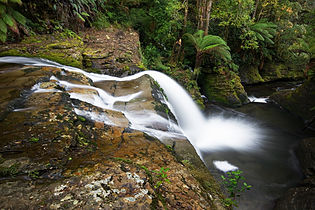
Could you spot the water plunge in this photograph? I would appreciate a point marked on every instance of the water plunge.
(260, 152)
(205, 133)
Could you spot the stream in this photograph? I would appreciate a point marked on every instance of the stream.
(272, 168)
(258, 138)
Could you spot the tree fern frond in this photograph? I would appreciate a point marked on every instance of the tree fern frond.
(19, 17)
(8, 19)
(3, 27)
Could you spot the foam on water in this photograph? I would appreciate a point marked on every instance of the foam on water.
(253, 99)
(224, 166)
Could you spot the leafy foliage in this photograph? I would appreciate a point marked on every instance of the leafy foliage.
(261, 32)
(209, 44)
(235, 184)
(9, 18)
(161, 177)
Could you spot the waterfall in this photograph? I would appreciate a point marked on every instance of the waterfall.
(205, 133)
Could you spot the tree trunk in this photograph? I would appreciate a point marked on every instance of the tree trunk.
(198, 60)
(208, 11)
(256, 7)
(186, 13)
(201, 11)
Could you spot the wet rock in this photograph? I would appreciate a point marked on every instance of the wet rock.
(223, 88)
(306, 155)
(300, 101)
(297, 198)
(276, 71)
(56, 156)
(250, 75)
(97, 53)
(102, 53)
(302, 196)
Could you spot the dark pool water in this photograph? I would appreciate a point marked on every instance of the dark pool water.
(272, 167)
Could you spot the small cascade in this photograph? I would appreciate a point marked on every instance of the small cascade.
(254, 99)
(213, 133)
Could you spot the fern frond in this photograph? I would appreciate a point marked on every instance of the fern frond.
(8, 19)
(19, 17)
(3, 27)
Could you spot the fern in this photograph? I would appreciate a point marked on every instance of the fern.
(206, 45)
(264, 31)
(9, 18)
(209, 44)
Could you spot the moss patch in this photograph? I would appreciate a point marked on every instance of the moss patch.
(250, 75)
(223, 87)
(54, 47)
(184, 77)
(276, 71)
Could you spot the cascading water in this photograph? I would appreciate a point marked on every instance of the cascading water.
(204, 133)
(224, 143)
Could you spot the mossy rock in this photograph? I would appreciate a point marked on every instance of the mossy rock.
(277, 71)
(301, 101)
(250, 75)
(223, 87)
(184, 78)
(53, 47)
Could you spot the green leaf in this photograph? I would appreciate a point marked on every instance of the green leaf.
(19, 17)
(3, 37)
(2, 9)
(85, 14)
(79, 16)
(16, 1)
(4, 1)
(3, 27)
(260, 37)
(8, 19)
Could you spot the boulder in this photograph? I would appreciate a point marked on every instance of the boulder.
(303, 195)
(250, 75)
(223, 87)
(300, 101)
(276, 71)
(306, 156)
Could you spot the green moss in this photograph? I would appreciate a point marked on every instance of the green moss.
(250, 75)
(82, 119)
(33, 139)
(276, 71)
(54, 47)
(223, 87)
(9, 171)
(61, 45)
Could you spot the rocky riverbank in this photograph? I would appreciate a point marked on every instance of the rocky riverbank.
(53, 156)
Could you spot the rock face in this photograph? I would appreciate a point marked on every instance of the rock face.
(112, 51)
(224, 88)
(250, 75)
(300, 101)
(270, 72)
(306, 155)
(276, 71)
(56, 156)
(95, 51)
(302, 196)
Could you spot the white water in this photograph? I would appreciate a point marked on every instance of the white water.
(224, 166)
(213, 133)
(253, 99)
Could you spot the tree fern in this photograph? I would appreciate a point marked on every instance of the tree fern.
(9, 18)
(208, 44)
(264, 31)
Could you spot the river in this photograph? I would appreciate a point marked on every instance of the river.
(258, 138)
(272, 168)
